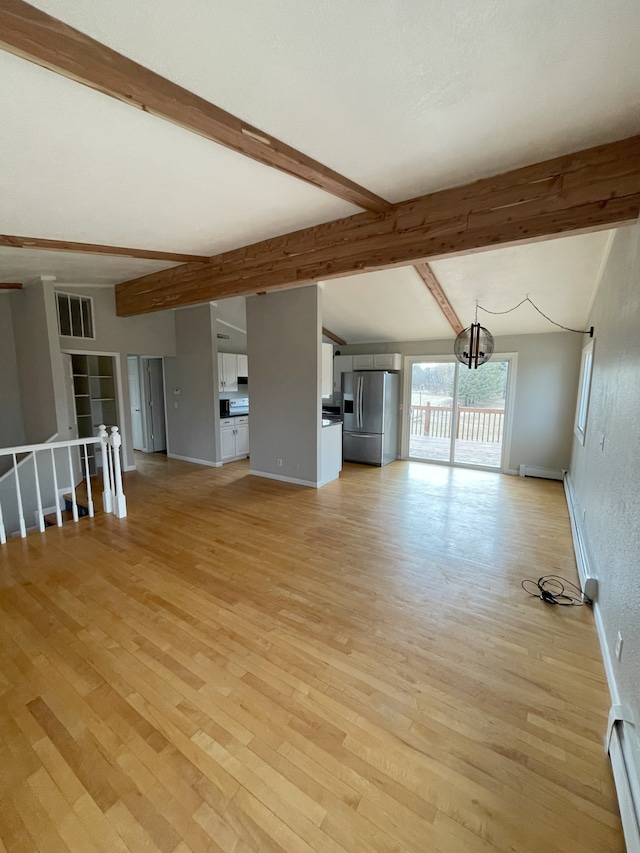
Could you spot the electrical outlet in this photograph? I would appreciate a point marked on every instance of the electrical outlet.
(618, 647)
(584, 515)
(279, 463)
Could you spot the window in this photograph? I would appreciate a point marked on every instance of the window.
(584, 389)
(75, 315)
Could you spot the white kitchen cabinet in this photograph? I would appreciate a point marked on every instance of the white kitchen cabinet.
(227, 371)
(234, 438)
(387, 361)
(243, 364)
(378, 361)
(327, 370)
(341, 364)
(363, 362)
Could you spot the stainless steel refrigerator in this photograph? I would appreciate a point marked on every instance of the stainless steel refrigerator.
(370, 415)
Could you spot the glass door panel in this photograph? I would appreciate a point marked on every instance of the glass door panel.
(430, 415)
(481, 398)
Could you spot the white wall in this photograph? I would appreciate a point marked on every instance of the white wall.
(546, 382)
(35, 369)
(11, 423)
(606, 479)
(284, 335)
(193, 426)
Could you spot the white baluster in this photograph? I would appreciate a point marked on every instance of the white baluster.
(74, 505)
(39, 513)
(3, 535)
(120, 507)
(107, 496)
(88, 479)
(23, 528)
(55, 489)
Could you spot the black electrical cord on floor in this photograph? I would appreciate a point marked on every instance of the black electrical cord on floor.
(556, 590)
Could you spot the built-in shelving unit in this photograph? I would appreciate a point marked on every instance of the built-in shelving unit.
(94, 389)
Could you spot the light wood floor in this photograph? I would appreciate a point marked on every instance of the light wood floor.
(249, 665)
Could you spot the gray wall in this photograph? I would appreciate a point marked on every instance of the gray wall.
(147, 334)
(193, 427)
(284, 334)
(546, 382)
(606, 479)
(11, 425)
(35, 369)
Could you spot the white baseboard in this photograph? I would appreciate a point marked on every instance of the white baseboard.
(195, 461)
(312, 484)
(543, 473)
(586, 569)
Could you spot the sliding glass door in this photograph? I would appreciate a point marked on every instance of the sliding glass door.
(457, 415)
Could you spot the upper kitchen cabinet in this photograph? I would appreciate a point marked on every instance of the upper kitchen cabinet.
(378, 361)
(230, 367)
(227, 371)
(243, 365)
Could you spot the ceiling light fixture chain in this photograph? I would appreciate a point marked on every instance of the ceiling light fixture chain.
(531, 302)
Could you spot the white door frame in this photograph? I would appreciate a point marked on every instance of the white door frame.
(510, 393)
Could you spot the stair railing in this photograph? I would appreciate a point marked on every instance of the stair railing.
(34, 484)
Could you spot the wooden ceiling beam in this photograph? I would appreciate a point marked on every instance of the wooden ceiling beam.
(33, 35)
(430, 279)
(97, 249)
(333, 337)
(13, 285)
(585, 191)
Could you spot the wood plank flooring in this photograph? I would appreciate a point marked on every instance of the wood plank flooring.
(244, 665)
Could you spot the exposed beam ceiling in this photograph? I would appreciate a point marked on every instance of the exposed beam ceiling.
(583, 191)
(11, 285)
(33, 35)
(96, 249)
(429, 277)
(333, 337)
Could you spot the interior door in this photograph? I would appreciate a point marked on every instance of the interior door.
(156, 428)
(135, 403)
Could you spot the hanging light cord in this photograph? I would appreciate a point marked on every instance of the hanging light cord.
(526, 299)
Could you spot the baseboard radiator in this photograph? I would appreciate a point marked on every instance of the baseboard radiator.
(624, 751)
(543, 473)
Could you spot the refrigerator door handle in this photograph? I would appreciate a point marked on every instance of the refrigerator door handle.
(360, 401)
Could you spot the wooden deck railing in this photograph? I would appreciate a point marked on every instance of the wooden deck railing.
(472, 424)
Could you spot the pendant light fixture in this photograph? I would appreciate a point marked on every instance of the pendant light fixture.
(474, 345)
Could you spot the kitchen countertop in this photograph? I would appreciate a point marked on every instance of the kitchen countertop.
(327, 422)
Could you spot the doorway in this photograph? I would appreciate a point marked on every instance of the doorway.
(458, 416)
(146, 403)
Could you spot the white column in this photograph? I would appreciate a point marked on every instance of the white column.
(3, 535)
(120, 508)
(107, 497)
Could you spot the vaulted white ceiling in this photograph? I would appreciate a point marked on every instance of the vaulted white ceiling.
(403, 98)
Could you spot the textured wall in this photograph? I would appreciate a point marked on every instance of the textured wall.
(546, 381)
(11, 426)
(34, 358)
(606, 478)
(192, 428)
(284, 355)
